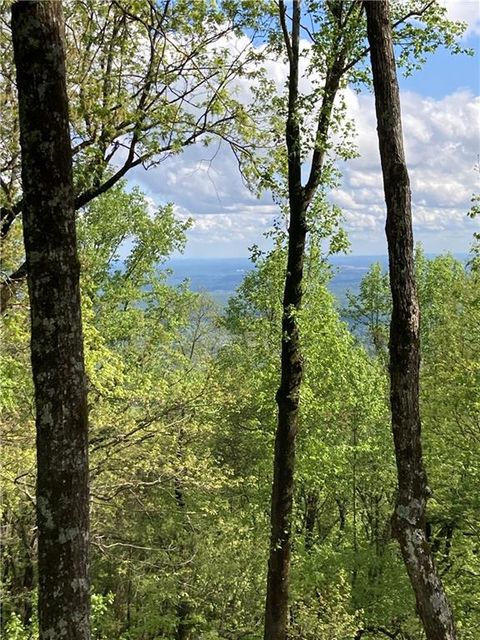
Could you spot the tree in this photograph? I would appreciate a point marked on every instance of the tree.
(371, 307)
(409, 519)
(182, 414)
(473, 213)
(157, 405)
(56, 325)
(344, 462)
(145, 81)
(337, 49)
(299, 200)
(450, 401)
(160, 427)
(449, 387)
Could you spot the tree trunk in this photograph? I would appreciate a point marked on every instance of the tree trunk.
(276, 608)
(409, 517)
(276, 612)
(311, 511)
(288, 394)
(183, 608)
(56, 338)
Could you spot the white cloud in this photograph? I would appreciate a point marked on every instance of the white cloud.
(441, 141)
(465, 10)
(228, 234)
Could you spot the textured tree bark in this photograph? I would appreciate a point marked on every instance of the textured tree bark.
(56, 342)
(288, 394)
(409, 517)
(276, 608)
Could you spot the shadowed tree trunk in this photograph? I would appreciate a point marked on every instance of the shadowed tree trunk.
(408, 521)
(311, 511)
(183, 608)
(56, 328)
(276, 611)
(288, 394)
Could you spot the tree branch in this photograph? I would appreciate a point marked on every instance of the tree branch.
(286, 36)
(410, 14)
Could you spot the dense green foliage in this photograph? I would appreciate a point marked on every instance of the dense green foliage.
(182, 392)
(182, 414)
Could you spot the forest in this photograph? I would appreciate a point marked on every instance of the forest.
(281, 467)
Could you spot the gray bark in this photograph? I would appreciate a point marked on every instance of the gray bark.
(56, 327)
(409, 522)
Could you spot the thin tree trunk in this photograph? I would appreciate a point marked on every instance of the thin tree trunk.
(311, 510)
(56, 342)
(288, 394)
(28, 577)
(276, 608)
(409, 517)
(183, 609)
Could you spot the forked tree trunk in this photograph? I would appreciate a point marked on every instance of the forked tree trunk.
(288, 394)
(56, 327)
(409, 517)
(276, 608)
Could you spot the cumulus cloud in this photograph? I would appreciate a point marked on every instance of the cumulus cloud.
(228, 234)
(202, 179)
(465, 10)
(442, 145)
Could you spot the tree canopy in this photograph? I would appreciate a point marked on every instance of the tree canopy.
(184, 392)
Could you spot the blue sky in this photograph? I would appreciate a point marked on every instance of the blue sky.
(441, 120)
(445, 73)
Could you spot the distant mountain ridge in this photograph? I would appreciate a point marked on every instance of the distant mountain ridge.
(220, 277)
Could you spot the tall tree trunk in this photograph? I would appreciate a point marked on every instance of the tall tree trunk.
(288, 394)
(276, 608)
(409, 517)
(56, 342)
